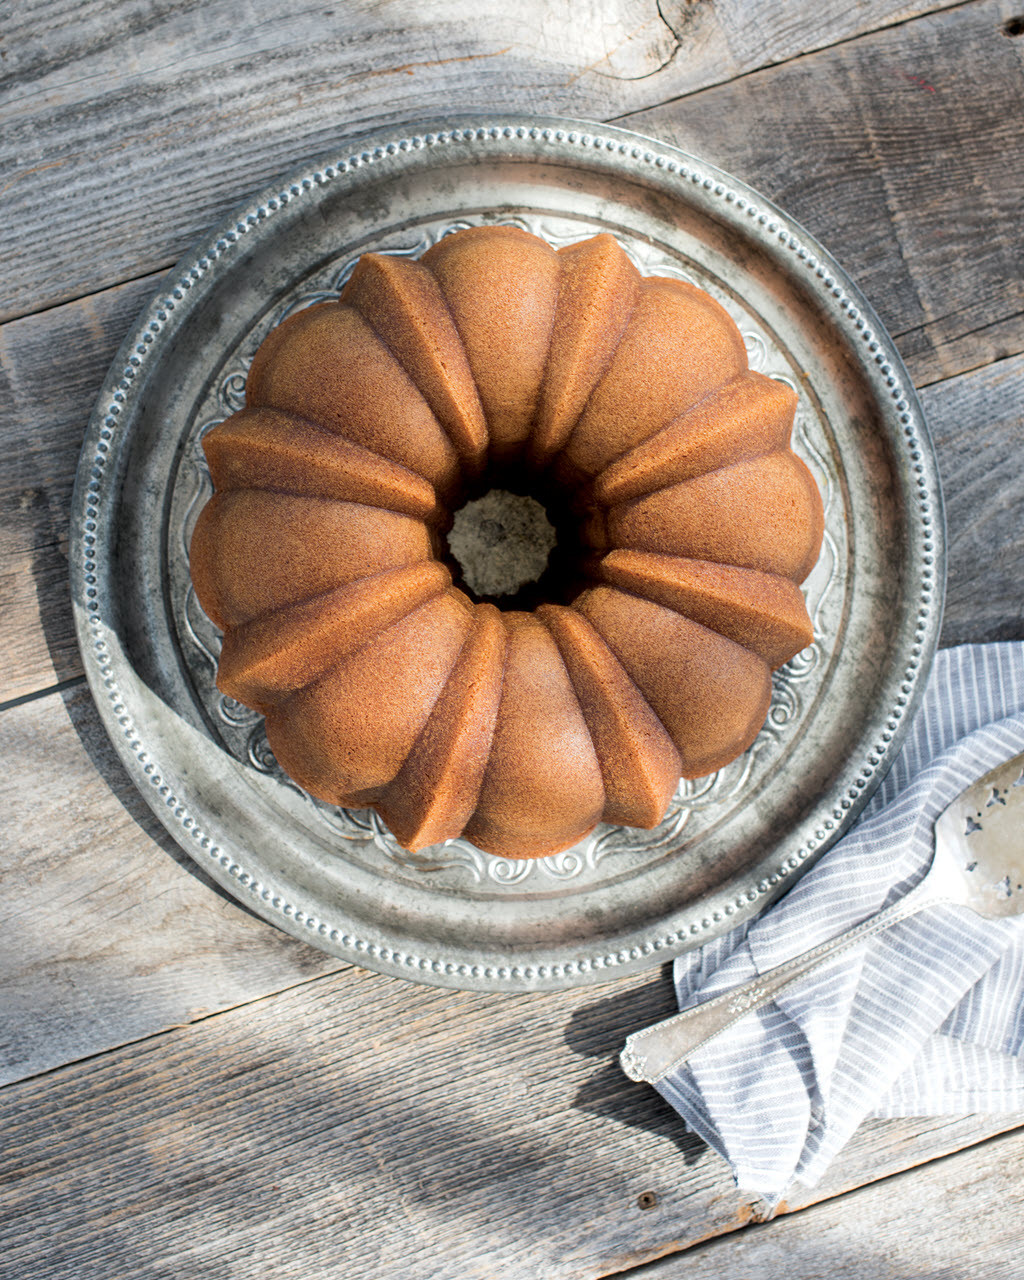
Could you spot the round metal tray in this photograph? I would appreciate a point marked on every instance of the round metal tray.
(621, 899)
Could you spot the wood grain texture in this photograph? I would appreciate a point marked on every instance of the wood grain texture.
(957, 1219)
(126, 129)
(109, 931)
(977, 422)
(360, 1127)
(51, 369)
(898, 151)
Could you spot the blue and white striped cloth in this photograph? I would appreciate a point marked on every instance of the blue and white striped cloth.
(924, 1019)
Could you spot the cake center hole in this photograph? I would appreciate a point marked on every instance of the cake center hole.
(501, 543)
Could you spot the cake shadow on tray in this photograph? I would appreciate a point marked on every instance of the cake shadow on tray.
(337, 554)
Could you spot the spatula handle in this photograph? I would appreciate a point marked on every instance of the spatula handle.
(651, 1054)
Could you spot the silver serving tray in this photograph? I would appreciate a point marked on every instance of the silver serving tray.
(621, 900)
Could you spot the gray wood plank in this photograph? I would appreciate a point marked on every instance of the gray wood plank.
(358, 1126)
(900, 152)
(109, 931)
(52, 364)
(955, 1219)
(977, 422)
(51, 368)
(128, 128)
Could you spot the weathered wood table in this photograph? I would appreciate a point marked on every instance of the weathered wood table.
(187, 1091)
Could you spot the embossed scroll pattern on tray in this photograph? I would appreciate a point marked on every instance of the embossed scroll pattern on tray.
(361, 834)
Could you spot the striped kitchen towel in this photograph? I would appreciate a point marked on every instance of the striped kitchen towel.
(926, 1018)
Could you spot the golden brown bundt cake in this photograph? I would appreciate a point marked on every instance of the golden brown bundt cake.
(686, 524)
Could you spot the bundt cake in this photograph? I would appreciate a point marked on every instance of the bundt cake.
(643, 654)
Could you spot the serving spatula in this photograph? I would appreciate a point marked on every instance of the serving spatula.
(978, 863)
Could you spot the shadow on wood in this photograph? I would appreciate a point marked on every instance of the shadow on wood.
(85, 720)
(597, 1029)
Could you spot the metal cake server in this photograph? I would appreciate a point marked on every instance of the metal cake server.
(978, 863)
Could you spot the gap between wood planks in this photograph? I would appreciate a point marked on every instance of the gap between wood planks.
(796, 57)
(984, 364)
(668, 1263)
(151, 273)
(174, 1028)
(72, 683)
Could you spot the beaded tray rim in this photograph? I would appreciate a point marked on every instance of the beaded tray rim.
(139, 724)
